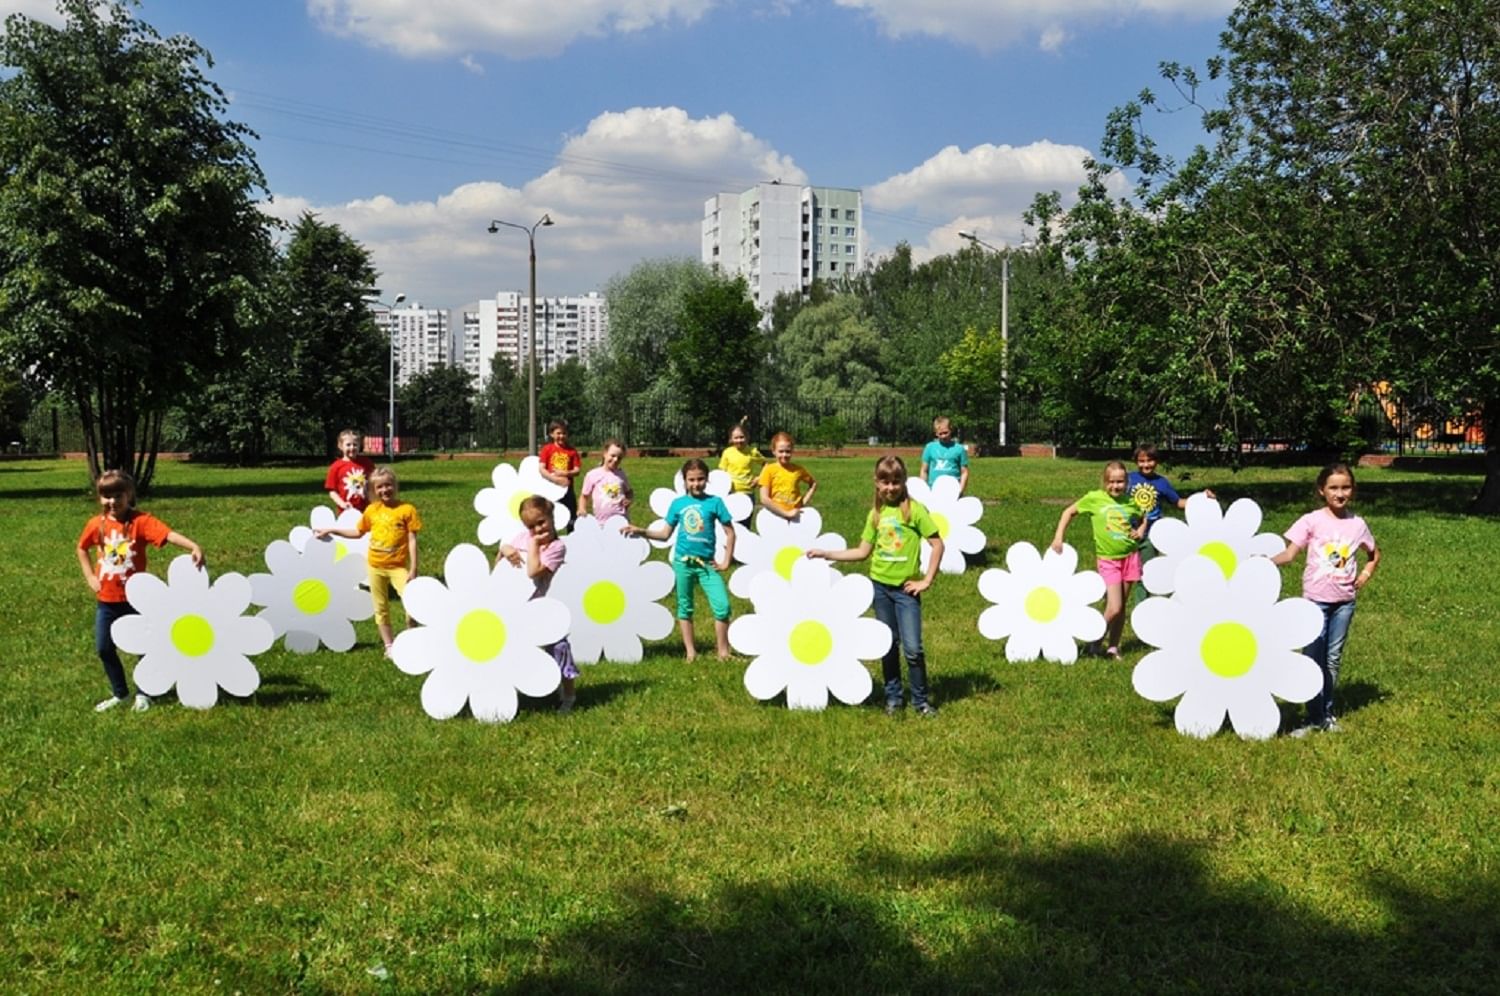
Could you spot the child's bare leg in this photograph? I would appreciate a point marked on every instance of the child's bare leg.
(689, 648)
(721, 633)
(386, 634)
(1114, 614)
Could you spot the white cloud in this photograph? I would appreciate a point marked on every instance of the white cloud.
(41, 10)
(1052, 39)
(992, 24)
(984, 189)
(514, 28)
(631, 186)
(472, 64)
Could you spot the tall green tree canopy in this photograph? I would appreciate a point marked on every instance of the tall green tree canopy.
(645, 315)
(715, 358)
(128, 225)
(438, 405)
(834, 348)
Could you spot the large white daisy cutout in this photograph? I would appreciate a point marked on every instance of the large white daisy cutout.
(776, 544)
(481, 638)
(808, 636)
(311, 596)
(323, 517)
(191, 635)
(500, 504)
(955, 515)
(1226, 538)
(1041, 604)
(1227, 645)
(720, 484)
(611, 594)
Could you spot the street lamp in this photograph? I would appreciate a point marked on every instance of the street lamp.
(543, 222)
(390, 420)
(1004, 255)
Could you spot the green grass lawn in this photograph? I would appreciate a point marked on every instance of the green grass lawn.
(1050, 831)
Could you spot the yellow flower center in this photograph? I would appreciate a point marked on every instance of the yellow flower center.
(192, 635)
(604, 602)
(785, 558)
(1043, 605)
(514, 505)
(311, 596)
(480, 636)
(942, 523)
(1222, 554)
(810, 642)
(340, 550)
(1228, 649)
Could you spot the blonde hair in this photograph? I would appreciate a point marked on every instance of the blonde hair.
(1113, 465)
(349, 434)
(942, 422)
(891, 469)
(534, 510)
(381, 473)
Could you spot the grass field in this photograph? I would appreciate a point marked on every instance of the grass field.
(1050, 831)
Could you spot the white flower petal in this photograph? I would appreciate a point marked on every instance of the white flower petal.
(300, 642)
(868, 639)
(197, 687)
(849, 683)
(237, 676)
(1060, 648)
(183, 576)
(997, 621)
(445, 691)
(1254, 717)
(1155, 620)
(1025, 644)
(493, 702)
(532, 671)
(426, 600)
(154, 674)
(417, 651)
(807, 691)
(1200, 713)
(1159, 677)
(132, 634)
(766, 675)
(1297, 621)
(1291, 676)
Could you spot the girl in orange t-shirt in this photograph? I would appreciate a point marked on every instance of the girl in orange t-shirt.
(121, 533)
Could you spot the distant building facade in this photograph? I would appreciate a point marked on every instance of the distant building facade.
(567, 328)
(781, 237)
(421, 337)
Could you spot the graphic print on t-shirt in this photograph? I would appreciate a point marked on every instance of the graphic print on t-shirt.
(1335, 558)
(114, 558)
(1144, 497)
(354, 483)
(889, 538)
(692, 521)
(560, 462)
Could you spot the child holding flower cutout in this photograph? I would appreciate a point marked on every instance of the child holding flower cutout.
(539, 552)
(1118, 528)
(391, 557)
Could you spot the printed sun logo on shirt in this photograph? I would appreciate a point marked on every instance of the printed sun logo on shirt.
(1335, 558)
(354, 483)
(1144, 497)
(114, 558)
(559, 462)
(889, 541)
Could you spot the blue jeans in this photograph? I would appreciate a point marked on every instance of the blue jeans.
(1327, 651)
(104, 618)
(903, 614)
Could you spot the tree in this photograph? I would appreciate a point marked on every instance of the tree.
(834, 348)
(128, 225)
(438, 405)
(500, 407)
(716, 358)
(645, 316)
(975, 368)
(564, 394)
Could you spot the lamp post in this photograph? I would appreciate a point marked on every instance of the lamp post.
(390, 420)
(1004, 255)
(543, 222)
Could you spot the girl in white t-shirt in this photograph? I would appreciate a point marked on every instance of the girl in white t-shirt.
(1332, 537)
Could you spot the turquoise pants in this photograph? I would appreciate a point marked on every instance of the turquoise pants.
(696, 569)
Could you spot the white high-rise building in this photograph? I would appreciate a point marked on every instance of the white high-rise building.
(421, 336)
(567, 328)
(782, 237)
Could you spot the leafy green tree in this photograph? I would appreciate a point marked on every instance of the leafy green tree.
(500, 408)
(128, 224)
(338, 363)
(975, 368)
(834, 348)
(564, 393)
(438, 405)
(716, 359)
(645, 316)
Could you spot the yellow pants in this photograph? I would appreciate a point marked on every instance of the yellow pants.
(382, 580)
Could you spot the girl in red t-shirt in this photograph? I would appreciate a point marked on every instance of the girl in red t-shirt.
(121, 533)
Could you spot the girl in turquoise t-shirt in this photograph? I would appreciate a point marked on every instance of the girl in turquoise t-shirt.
(1118, 528)
(893, 533)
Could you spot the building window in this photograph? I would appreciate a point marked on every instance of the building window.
(820, 248)
(848, 214)
(848, 250)
(849, 233)
(832, 266)
(817, 212)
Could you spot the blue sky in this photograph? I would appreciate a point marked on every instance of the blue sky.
(412, 123)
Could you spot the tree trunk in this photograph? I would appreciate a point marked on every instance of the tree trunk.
(1487, 502)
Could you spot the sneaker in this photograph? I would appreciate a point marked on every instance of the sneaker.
(566, 705)
(1331, 725)
(1303, 731)
(1113, 653)
(893, 708)
(927, 709)
(108, 704)
(142, 702)
(388, 651)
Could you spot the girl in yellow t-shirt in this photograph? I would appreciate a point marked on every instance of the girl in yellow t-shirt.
(393, 525)
(781, 482)
(739, 459)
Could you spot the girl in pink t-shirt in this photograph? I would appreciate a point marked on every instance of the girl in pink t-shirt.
(1332, 537)
(606, 489)
(539, 552)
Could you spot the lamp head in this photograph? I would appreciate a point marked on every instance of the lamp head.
(546, 221)
(399, 299)
(971, 236)
(494, 227)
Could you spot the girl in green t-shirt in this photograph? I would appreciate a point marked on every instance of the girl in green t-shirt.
(894, 531)
(1118, 528)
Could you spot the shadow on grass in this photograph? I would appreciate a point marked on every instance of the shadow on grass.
(953, 687)
(591, 694)
(278, 690)
(1142, 915)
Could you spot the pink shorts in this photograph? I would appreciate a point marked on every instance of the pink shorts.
(1120, 571)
